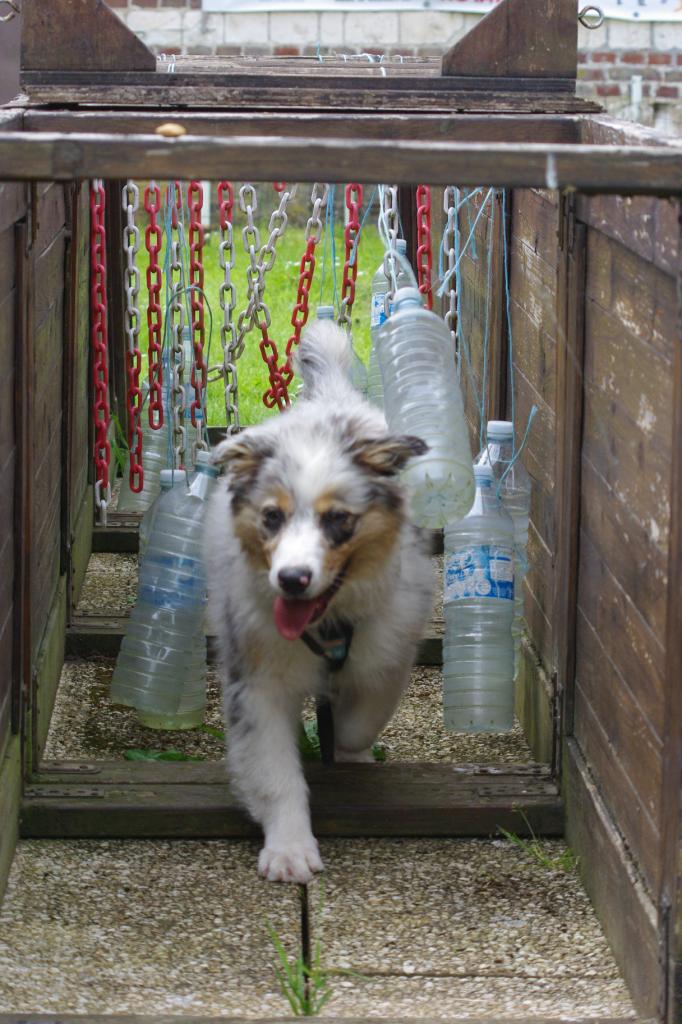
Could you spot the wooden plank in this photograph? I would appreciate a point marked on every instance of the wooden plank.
(614, 886)
(368, 800)
(10, 797)
(68, 1018)
(471, 127)
(38, 155)
(83, 35)
(519, 37)
(647, 227)
(570, 295)
(92, 635)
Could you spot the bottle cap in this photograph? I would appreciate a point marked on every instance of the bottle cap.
(483, 473)
(407, 297)
(204, 464)
(325, 313)
(500, 430)
(167, 476)
(401, 245)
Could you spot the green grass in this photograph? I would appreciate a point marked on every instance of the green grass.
(534, 848)
(304, 986)
(280, 296)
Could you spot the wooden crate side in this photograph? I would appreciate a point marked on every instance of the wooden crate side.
(10, 800)
(7, 464)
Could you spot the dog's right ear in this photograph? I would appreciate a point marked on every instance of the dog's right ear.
(242, 454)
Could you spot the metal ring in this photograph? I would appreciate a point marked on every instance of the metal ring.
(591, 17)
(14, 10)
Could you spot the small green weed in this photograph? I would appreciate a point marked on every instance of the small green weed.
(119, 445)
(304, 986)
(309, 743)
(566, 861)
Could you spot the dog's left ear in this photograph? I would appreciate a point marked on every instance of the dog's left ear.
(242, 454)
(387, 455)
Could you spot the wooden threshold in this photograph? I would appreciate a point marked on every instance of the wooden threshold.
(627, 170)
(100, 635)
(123, 800)
(96, 1018)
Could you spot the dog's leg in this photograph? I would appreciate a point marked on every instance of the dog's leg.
(362, 708)
(265, 770)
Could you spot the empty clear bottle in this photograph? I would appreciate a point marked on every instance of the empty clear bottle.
(422, 397)
(478, 606)
(161, 667)
(380, 288)
(514, 494)
(168, 478)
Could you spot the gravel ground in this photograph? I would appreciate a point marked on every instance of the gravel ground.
(110, 585)
(446, 928)
(142, 927)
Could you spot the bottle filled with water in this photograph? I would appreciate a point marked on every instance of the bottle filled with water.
(161, 667)
(381, 286)
(514, 494)
(422, 397)
(155, 457)
(478, 607)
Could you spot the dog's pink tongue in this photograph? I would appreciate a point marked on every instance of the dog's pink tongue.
(292, 616)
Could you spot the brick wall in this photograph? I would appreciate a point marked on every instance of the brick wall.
(633, 68)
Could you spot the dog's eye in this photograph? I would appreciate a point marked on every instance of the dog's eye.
(338, 525)
(273, 519)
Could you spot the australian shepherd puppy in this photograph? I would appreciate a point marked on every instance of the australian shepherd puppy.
(318, 584)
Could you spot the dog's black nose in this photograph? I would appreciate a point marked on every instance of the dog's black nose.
(295, 581)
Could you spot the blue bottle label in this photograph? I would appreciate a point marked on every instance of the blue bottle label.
(377, 311)
(480, 570)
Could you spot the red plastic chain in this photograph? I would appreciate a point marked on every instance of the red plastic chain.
(277, 394)
(195, 198)
(279, 186)
(99, 336)
(424, 257)
(299, 317)
(350, 234)
(152, 237)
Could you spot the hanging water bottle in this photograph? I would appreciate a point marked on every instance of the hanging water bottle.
(380, 288)
(155, 457)
(161, 667)
(478, 606)
(422, 397)
(514, 494)
(168, 478)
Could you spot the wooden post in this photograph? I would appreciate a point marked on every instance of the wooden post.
(569, 416)
(526, 38)
(79, 35)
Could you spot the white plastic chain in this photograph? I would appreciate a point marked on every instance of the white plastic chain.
(177, 324)
(450, 196)
(260, 260)
(228, 331)
(131, 277)
(392, 222)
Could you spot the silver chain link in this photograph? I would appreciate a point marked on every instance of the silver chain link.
(393, 226)
(131, 279)
(261, 260)
(228, 331)
(450, 209)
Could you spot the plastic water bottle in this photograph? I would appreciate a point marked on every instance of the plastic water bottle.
(422, 397)
(478, 605)
(161, 667)
(155, 457)
(168, 478)
(514, 494)
(380, 287)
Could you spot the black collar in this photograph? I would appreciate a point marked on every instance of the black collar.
(332, 642)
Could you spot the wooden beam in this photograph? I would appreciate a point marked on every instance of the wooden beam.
(520, 37)
(90, 636)
(79, 35)
(624, 170)
(394, 799)
(96, 1018)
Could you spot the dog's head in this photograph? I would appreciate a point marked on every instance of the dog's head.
(315, 507)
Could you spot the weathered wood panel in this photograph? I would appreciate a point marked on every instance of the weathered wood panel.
(7, 463)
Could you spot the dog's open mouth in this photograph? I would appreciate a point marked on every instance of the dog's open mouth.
(294, 615)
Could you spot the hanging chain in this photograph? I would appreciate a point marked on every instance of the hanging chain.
(449, 250)
(350, 272)
(131, 277)
(390, 213)
(99, 339)
(260, 260)
(424, 257)
(176, 311)
(153, 236)
(228, 301)
(299, 317)
(195, 199)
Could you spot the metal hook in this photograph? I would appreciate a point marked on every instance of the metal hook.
(14, 10)
(591, 17)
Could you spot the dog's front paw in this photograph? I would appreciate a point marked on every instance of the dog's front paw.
(290, 862)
